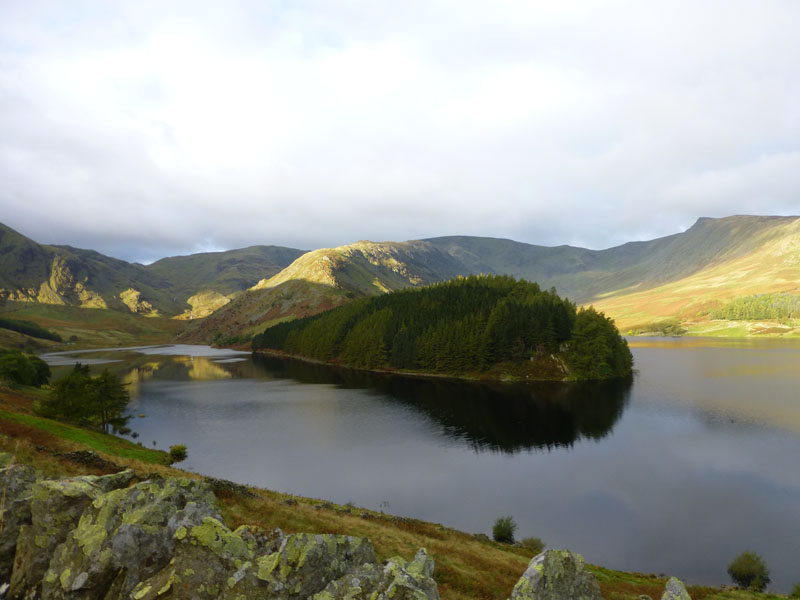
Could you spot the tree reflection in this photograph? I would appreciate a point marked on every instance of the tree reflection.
(488, 416)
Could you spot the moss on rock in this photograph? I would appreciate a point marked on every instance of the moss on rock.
(554, 575)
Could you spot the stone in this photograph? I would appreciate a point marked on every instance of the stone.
(556, 575)
(210, 560)
(305, 563)
(126, 536)
(102, 538)
(16, 482)
(397, 579)
(56, 507)
(675, 590)
(89, 459)
(213, 562)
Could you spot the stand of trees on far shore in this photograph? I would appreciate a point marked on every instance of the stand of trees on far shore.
(466, 325)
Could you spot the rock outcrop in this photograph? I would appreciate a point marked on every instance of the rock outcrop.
(133, 299)
(675, 590)
(104, 538)
(56, 507)
(124, 537)
(15, 513)
(556, 575)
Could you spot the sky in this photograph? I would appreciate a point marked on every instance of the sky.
(147, 129)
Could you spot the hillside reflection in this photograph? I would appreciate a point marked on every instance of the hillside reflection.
(494, 417)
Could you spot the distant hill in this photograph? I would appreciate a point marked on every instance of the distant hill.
(586, 276)
(681, 276)
(713, 263)
(637, 283)
(326, 278)
(32, 272)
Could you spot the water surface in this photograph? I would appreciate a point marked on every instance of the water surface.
(676, 471)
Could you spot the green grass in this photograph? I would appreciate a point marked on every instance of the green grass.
(93, 440)
(95, 327)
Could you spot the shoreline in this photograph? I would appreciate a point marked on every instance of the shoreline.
(418, 374)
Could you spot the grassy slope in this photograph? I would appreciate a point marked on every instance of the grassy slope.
(223, 272)
(636, 283)
(466, 566)
(323, 279)
(585, 275)
(166, 284)
(94, 327)
(770, 263)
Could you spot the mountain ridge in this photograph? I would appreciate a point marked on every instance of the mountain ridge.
(241, 291)
(64, 274)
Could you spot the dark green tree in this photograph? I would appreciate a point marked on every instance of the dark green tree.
(24, 369)
(464, 325)
(108, 400)
(749, 571)
(98, 402)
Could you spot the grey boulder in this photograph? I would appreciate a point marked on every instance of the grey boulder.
(556, 575)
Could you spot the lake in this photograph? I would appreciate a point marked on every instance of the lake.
(677, 471)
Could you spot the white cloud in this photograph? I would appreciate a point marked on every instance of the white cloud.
(145, 128)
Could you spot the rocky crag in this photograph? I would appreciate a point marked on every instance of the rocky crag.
(113, 537)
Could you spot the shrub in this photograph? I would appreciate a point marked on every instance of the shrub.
(533, 544)
(749, 571)
(503, 530)
(24, 369)
(177, 453)
(795, 591)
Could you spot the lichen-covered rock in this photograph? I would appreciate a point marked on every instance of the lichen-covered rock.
(124, 537)
(556, 575)
(213, 562)
(304, 564)
(56, 507)
(15, 511)
(675, 590)
(397, 579)
(96, 538)
(210, 560)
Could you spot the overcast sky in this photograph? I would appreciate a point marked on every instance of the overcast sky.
(149, 128)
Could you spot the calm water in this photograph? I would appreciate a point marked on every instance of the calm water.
(677, 471)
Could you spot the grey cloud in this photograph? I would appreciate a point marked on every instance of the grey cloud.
(144, 128)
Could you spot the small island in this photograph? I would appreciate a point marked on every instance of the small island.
(482, 326)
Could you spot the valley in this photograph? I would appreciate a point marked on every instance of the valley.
(666, 286)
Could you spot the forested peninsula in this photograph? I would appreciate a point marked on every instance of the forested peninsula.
(491, 327)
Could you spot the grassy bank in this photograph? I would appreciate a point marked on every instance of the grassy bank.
(87, 327)
(718, 328)
(467, 567)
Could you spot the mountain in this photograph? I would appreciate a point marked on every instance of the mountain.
(209, 280)
(681, 276)
(718, 260)
(637, 283)
(587, 275)
(32, 272)
(326, 278)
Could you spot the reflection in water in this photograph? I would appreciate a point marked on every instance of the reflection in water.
(701, 464)
(202, 368)
(133, 379)
(498, 417)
